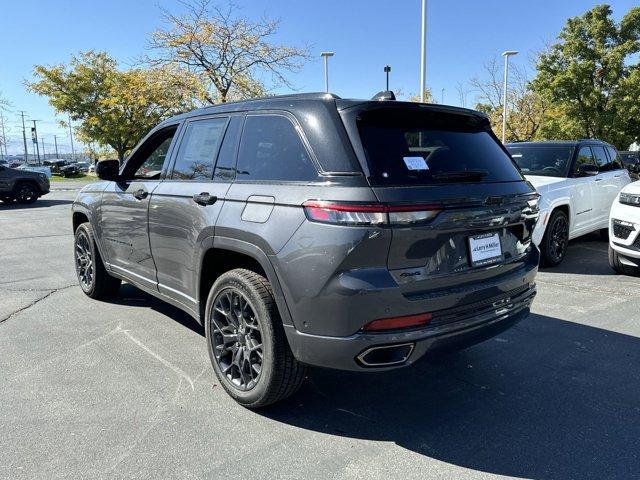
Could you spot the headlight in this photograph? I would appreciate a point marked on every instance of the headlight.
(629, 199)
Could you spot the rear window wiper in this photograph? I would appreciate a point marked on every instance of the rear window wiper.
(461, 175)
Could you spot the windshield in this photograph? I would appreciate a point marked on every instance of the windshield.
(420, 147)
(544, 160)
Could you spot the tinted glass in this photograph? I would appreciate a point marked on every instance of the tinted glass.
(584, 157)
(601, 158)
(614, 158)
(415, 147)
(545, 160)
(629, 158)
(198, 149)
(150, 157)
(271, 149)
(225, 166)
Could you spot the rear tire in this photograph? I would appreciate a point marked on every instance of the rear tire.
(92, 276)
(619, 267)
(554, 243)
(25, 193)
(241, 315)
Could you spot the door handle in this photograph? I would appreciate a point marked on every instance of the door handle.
(205, 198)
(597, 179)
(140, 194)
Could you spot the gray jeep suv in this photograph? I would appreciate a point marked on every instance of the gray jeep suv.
(22, 185)
(312, 230)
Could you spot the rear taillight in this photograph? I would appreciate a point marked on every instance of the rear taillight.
(398, 322)
(369, 214)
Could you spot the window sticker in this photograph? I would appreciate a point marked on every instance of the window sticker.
(415, 163)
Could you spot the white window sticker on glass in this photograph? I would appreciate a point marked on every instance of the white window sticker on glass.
(415, 163)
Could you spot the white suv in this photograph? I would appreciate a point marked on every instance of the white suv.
(577, 181)
(624, 231)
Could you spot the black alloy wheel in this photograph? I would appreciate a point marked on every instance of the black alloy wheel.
(84, 261)
(26, 193)
(236, 339)
(556, 239)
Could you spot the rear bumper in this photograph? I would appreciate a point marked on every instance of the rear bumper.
(450, 330)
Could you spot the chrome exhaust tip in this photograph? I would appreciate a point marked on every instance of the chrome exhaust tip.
(386, 355)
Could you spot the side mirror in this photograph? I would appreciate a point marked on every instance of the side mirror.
(588, 170)
(108, 170)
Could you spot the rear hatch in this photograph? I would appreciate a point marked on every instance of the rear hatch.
(446, 161)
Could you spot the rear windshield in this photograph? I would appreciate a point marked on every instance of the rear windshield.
(421, 147)
(545, 160)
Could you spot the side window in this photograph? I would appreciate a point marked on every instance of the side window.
(615, 159)
(147, 162)
(271, 149)
(584, 157)
(601, 158)
(226, 164)
(198, 149)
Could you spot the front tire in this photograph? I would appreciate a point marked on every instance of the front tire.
(619, 267)
(556, 238)
(26, 193)
(92, 275)
(246, 341)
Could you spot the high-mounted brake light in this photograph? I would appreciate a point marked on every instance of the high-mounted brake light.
(369, 214)
(398, 322)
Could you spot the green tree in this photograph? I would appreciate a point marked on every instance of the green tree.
(232, 57)
(590, 76)
(110, 106)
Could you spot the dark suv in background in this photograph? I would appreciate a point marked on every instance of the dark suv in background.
(312, 230)
(22, 185)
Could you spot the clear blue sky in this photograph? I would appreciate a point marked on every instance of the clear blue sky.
(365, 34)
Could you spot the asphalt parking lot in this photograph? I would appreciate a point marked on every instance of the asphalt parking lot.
(125, 389)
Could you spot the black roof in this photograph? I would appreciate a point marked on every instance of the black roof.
(296, 99)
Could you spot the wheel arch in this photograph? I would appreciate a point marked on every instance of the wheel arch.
(220, 254)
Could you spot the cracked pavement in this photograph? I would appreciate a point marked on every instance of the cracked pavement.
(124, 389)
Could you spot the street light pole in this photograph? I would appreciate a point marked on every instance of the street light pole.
(24, 138)
(423, 51)
(73, 153)
(35, 140)
(326, 56)
(44, 155)
(387, 70)
(506, 56)
(442, 96)
(55, 142)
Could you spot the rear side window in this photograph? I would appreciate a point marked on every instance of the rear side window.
(616, 161)
(420, 147)
(225, 166)
(601, 158)
(198, 150)
(585, 157)
(545, 160)
(271, 149)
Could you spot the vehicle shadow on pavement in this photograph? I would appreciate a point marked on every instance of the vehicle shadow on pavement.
(132, 296)
(585, 256)
(548, 399)
(40, 203)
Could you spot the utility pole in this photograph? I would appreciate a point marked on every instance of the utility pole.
(55, 142)
(44, 155)
(73, 153)
(34, 137)
(442, 96)
(24, 138)
(423, 51)
(4, 137)
(387, 70)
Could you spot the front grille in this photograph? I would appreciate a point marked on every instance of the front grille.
(509, 300)
(621, 231)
